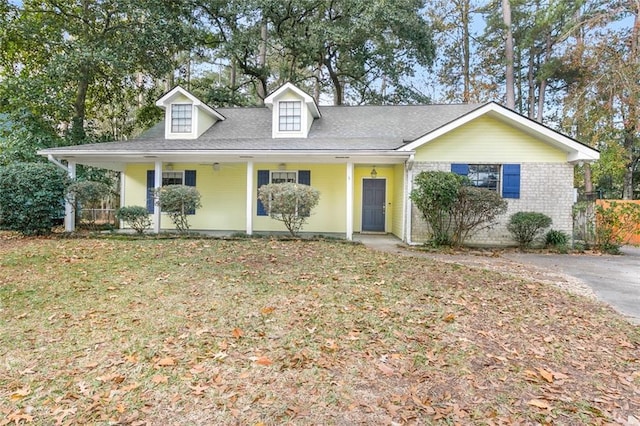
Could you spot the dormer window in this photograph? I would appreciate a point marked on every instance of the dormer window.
(181, 116)
(290, 116)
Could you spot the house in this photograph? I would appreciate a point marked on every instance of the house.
(362, 159)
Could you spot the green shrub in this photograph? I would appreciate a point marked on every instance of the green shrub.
(290, 203)
(136, 217)
(474, 209)
(434, 195)
(452, 208)
(555, 238)
(178, 201)
(527, 226)
(32, 197)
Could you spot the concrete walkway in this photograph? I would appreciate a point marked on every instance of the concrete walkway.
(613, 279)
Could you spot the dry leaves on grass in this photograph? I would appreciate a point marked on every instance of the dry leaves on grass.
(297, 332)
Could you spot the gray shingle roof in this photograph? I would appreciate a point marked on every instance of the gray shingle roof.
(339, 128)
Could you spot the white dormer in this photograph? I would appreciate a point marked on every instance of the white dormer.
(186, 117)
(293, 112)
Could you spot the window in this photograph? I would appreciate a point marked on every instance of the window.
(290, 116)
(266, 177)
(504, 179)
(186, 177)
(284, 177)
(181, 118)
(485, 176)
(172, 178)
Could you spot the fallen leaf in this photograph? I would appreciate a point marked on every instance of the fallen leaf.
(540, 404)
(159, 378)
(548, 376)
(263, 360)
(237, 333)
(267, 310)
(449, 318)
(166, 362)
(386, 370)
(20, 393)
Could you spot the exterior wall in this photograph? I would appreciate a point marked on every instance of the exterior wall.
(362, 172)
(544, 187)
(488, 140)
(223, 194)
(204, 121)
(330, 214)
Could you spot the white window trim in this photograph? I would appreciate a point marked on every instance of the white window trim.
(172, 171)
(302, 133)
(181, 135)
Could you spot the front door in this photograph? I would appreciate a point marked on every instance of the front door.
(373, 205)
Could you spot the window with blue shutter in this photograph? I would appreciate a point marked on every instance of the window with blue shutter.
(511, 181)
(304, 177)
(263, 179)
(190, 180)
(151, 177)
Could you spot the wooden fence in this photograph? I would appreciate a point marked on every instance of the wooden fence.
(633, 238)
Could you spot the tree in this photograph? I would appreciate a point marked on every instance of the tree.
(74, 56)
(290, 203)
(178, 201)
(32, 197)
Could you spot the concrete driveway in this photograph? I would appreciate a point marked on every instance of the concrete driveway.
(614, 279)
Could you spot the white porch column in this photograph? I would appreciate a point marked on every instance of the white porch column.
(250, 197)
(349, 201)
(69, 211)
(408, 187)
(157, 213)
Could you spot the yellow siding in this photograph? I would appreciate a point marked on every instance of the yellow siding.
(222, 191)
(488, 140)
(179, 98)
(224, 196)
(363, 172)
(329, 215)
(398, 200)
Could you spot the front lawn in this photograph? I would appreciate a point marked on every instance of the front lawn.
(203, 331)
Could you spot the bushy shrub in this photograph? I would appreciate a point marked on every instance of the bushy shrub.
(616, 222)
(136, 217)
(527, 226)
(454, 209)
(32, 197)
(290, 203)
(474, 209)
(434, 195)
(178, 201)
(555, 238)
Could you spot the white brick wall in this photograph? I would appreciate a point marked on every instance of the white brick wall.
(544, 187)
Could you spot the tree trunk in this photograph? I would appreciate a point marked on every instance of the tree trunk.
(466, 52)
(262, 62)
(531, 79)
(78, 134)
(508, 54)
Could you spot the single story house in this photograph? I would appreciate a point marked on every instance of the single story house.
(362, 159)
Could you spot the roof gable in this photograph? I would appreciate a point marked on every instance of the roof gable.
(576, 151)
(288, 87)
(178, 91)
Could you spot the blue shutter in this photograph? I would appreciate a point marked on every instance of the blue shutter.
(151, 179)
(511, 181)
(190, 180)
(304, 177)
(460, 169)
(263, 179)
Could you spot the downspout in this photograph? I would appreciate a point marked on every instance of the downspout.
(57, 162)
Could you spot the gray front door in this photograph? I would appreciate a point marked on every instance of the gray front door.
(373, 204)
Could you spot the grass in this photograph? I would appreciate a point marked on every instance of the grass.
(201, 331)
